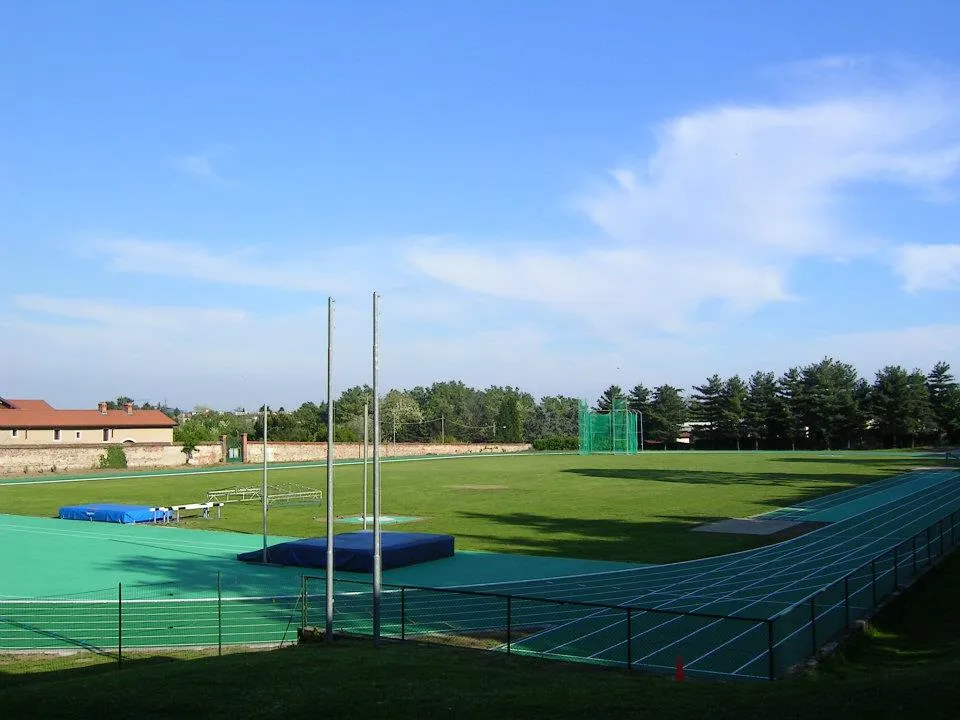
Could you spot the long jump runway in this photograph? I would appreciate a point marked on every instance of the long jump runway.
(750, 615)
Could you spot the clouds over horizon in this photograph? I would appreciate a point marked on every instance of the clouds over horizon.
(708, 227)
(727, 204)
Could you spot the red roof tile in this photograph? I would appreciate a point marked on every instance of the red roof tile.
(38, 414)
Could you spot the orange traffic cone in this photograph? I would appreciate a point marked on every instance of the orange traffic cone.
(681, 674)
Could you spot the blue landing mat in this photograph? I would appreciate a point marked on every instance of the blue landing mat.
(105, 512)
(353, 552)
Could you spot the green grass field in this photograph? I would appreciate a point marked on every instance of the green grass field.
(626, 508)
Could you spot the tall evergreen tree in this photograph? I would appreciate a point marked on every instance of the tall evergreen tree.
(901, 404)
(790, 392)
(830, 405)
(668, 412)
(760, 408)
(605, 401)
(944, 396)
(707, 405)
(732, 410)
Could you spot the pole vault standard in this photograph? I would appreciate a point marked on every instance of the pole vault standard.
(329, 625)
(377, 565)
(366, 443)
(263, 488)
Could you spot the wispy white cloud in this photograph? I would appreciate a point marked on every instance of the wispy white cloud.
(141, 319)
(929, 267)
(200, 166)
(919, 346)
(731, 199)
(249, 266)
(227, 357)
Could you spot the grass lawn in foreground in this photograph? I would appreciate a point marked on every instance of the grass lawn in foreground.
(628, 508)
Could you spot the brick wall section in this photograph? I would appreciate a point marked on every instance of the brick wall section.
(43, 458)
(312, 452)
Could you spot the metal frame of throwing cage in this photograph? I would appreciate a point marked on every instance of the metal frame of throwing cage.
(613, 432)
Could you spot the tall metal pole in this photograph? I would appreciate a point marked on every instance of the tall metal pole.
(441, 429)
(641, 431)
(263, 487)
(366, 417)
(329, 627)
(377, 566)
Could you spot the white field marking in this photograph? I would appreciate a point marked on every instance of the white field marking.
(255, 468)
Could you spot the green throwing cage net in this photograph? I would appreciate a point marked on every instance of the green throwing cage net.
(612, 432)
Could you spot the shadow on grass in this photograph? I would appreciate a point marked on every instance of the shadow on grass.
(898, 464)
(830, 481)
(660, 541)
(922, 627)
(17, 670)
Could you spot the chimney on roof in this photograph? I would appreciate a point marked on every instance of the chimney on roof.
(129, 408)
(102, 407)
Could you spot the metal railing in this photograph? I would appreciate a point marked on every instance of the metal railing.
(636, 637)
(801, 630)
(113, 625)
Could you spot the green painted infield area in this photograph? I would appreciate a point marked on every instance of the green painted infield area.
(68, 557)
(69, 582)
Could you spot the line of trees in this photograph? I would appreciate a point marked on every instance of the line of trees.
(824, 405)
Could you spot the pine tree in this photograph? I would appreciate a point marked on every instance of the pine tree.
(760, 408)
(707, 406)
(944, 401)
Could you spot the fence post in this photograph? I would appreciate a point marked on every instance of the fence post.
(629, 639)
(770, 661)
(813, 624)
(509, 622)
(303, 601)
(846, 601)
(873, 581)
(119, 625)
(219, 617)
(403, 613)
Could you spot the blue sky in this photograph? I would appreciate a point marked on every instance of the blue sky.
(553, 195)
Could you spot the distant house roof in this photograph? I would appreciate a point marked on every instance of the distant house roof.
(38, 414)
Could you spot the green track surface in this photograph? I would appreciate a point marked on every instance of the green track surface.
(637, 507)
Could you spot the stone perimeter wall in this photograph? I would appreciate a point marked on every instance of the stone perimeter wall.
(60, 458)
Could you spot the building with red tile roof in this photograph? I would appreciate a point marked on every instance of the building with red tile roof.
(35, 422)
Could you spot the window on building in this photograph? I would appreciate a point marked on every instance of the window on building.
(56, 434)
(14, 433)
(78, 434)
(106, 435)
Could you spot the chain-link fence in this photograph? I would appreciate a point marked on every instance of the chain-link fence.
(638, 638)
(114, 625)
